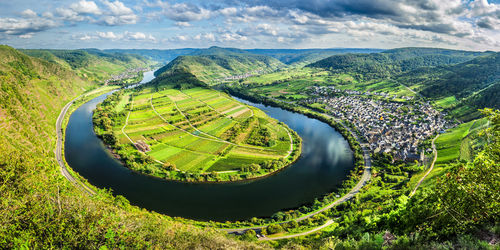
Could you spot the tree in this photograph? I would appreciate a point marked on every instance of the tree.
(274, 229)
(169, 166)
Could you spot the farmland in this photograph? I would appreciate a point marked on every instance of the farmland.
(195, 134)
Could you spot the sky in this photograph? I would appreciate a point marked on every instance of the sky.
(162, 24)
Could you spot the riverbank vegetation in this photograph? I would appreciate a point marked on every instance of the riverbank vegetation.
(193, 134)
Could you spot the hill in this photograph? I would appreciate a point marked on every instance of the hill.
(158, 55)
(301, 57)
(461, 88)
(92, 64)
(391, 62)
(224, 64)
(39, 208)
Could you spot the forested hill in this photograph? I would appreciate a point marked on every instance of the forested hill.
(391, 62)
(39, 208)
(91, 64)
(159, 55)
(473, 84)
(210, 67)
(298, 57)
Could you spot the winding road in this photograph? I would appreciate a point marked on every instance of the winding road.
(58, 152)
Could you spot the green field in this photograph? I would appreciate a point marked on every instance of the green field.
(200, 131)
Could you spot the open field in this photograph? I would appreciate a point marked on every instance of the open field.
(199, 130)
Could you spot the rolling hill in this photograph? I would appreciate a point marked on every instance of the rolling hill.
(159, 55)
(91, 64)
(469, 85)
(217, 64)
(391, 62)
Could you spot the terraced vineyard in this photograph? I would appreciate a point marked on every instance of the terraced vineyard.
(199, 134)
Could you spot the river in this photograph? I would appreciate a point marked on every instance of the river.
(325, 162)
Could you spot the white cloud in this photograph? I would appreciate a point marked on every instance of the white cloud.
(205, 37)
(183, 24)
(117, 8)
(26, 36)
(119, 20)
(181, 12)
(28, 13)
(70, 15)
(86, 7)
(14, 26)
(118, 14)
(107, 35)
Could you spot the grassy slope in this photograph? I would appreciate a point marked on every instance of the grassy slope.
(38, 207)
(459, 143)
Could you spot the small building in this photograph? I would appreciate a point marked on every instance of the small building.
(142, 146)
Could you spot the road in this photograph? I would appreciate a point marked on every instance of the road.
(58, 152)
(362, 182)
(434, 150)
(328, 223)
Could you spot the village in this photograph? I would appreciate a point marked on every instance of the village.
(130, 73)
(242, 76)
(389, 127)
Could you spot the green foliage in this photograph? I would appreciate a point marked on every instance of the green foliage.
(91, 64)
(178, 79)
(208, 67)
(391, 62)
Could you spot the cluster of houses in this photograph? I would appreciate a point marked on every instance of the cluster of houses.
(129, 73)
(390, 127)
(242, 76)
(328, 90)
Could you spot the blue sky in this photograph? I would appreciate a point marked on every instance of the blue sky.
(162, 24)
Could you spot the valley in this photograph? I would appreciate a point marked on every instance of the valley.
(322, 151)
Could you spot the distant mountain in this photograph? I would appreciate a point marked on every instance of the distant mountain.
(302, 57)
(158, 55)
(391, 62)
(298, 57)
(218, 63)
(219, 51)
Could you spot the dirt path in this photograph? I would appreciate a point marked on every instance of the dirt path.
(328, 223)
(434, 150)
